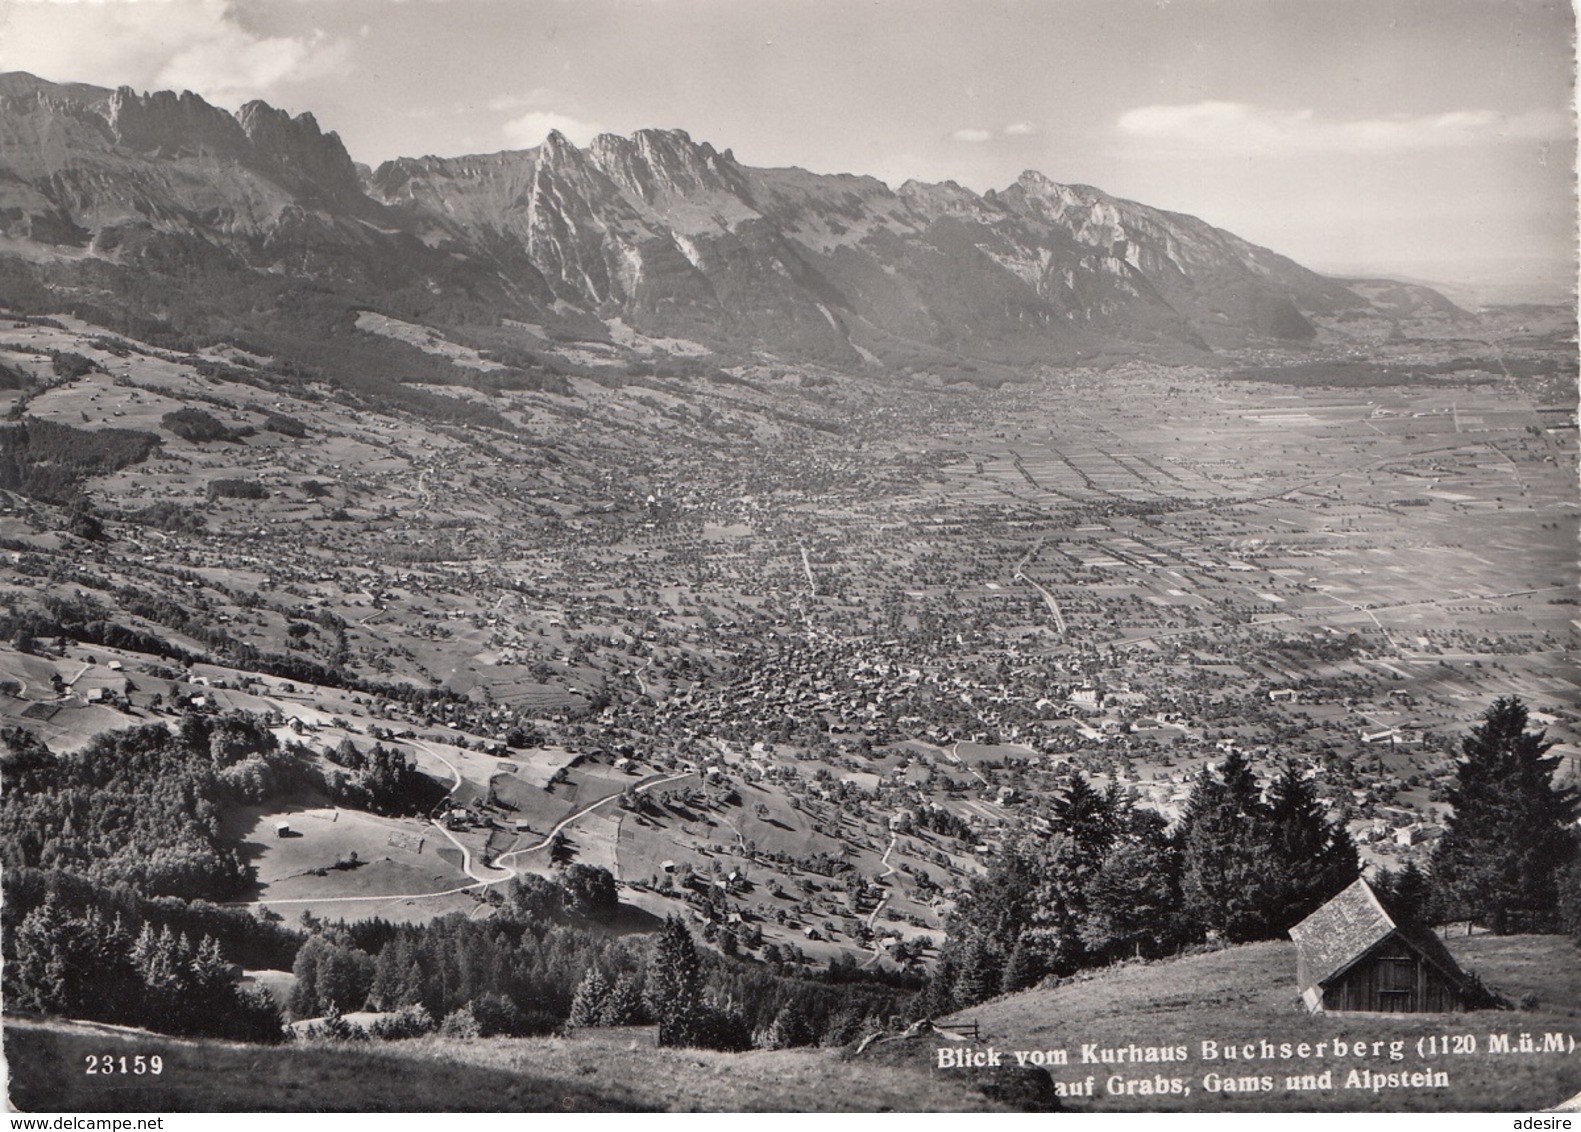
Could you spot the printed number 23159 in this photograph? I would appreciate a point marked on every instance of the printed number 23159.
(124, 1066)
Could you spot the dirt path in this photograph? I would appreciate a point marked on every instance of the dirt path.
(954, 755)
(872, 917)
(641, 788)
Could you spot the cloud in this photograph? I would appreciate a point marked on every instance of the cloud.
(977, 136)
(533, 127)
(195, 45)
(1241, 128)
(537, 96)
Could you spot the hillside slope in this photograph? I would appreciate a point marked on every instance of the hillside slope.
(1247, 994)
(608, 1071)
(1238, 996)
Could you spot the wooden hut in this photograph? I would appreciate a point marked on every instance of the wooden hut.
(1351, 955)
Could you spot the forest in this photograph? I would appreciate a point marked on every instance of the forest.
(48, 461)
(116, 865)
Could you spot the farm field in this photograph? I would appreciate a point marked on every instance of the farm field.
(860, 658)
(345, 864)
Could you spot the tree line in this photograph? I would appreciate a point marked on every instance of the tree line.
(48, 461)
(1093, 879)
(93, 840)
(142, 806)
(84, 966)
(539, 965)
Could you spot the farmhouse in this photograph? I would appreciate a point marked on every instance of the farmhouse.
(1351, 955)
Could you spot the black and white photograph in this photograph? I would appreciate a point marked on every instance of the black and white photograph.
(868, 556)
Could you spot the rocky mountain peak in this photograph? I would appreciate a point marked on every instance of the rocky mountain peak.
(947, 198)
(298, 146)
(654, 164)
(170, 124)
(670, 235)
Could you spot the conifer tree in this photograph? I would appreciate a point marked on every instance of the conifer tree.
(396, 981)
(209, 965)
(1038, 953)
(1224, 839)
(1508, 838)
(1409, 896)
(590, 1000)
(675, 986)
(120, 988)
(1310, 860)
(36, 977)
(624, 1006)
(789, 1029)
(1570, 899)
(980, 974)
(1133, 902)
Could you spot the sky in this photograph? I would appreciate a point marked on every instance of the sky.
(1422, 138)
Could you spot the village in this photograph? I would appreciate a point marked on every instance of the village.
(806, 673)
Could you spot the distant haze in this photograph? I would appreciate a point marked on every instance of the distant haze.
(1430, 138)
(1474, 284)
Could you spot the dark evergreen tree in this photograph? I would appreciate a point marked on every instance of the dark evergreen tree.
(1570, 898)
(789, 1029)
(1037, 954)
(981, 972)
(1001, 904)
(938, 996)
(1224, 837)
(1508, 838)
(1408, 895)
(1085, 824)
(397, 981)
(1134, 902)
(37, 974)
(675, 986)
(1310, 860)
(623, 1006)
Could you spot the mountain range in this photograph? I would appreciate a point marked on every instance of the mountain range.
(162, 205)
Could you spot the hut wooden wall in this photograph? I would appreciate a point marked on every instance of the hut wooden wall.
(1393, 978)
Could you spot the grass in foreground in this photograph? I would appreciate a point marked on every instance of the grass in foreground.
(1244, 994)
(604, 1072)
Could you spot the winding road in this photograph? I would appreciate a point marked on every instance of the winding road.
(641, 788)
(509, 872)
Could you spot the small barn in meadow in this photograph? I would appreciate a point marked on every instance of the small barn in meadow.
(1351, 955)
